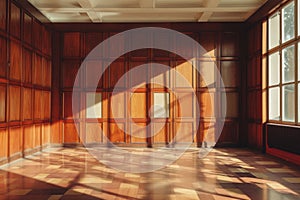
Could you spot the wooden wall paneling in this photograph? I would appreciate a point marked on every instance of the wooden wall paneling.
(45, 134)
(137, 81)
(138, 105)
(117, 105)
(27, 28)
(116, 70)
(47, 105)
(206, 132)
(37, 139)
(14, 103)
(70, 133)
(118, 43)
(91, 40)
(138, 133)
(208, 41)
(160, 78)
(3, 15)
(28, 136)
(15, 61)
(232, 105)
(90, 68)
(15, 140)
(92, 134)
(37, 70)
(230, 73)
(167, 42)
(230, 44)
(3, 143)
(38, 103)
(3, 103)
(67, 105)
(116, 132)
(206, 102)
(184, 105)
(3, 56)
(206, 77)
(46, 48)
(71, 44)
(184, 76)
(183, 132)
(27, 104)
(15, 20)
(160, 132)
(70, 69)
(27, 66)
(46, 72)
(229, 133)
(37, 35)
(182, 47)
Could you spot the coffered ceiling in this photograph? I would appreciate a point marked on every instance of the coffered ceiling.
(147, 10)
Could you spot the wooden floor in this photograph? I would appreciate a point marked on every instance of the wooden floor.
(66, 173)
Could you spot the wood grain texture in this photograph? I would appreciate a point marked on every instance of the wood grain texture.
(38, 70)
(229, 44)
(230, 73)
(27, 104)
(3, 14)
(27, 28)
(27, 66)
(3, 143)
(2, 103)
(15, 144)
(14, 103)
(28, 133)
(38, 103)
(3, 57)
(116, 132)
(69, 72)
(92, 133)
(138, 106)
(70, 133)
(15, 61)
(15, 20)
(71, 46)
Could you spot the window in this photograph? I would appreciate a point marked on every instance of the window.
(93, 105)
(161, 105)
(283, 76)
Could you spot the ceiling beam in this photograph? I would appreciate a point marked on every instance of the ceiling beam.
(207, 14)
(150, 10)
(92, 14)
(147, 3)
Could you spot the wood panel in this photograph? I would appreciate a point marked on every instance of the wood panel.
(160, 78)
(70, 69)
(184, 105)
(15, 144)
(46, 134)
(118, 105)
(2, 103)
(160, 132)
(90, 68)
(208, 40)
(206, 104)
(3, 14)
(37, 135)
(206, 77)
(15, 20)
(15, 61)
(71, 46)
(26, 65)
(47, 39)
(3, 143)
(138, 133)
(232, 105)
(116, 133)
(138, 105)
(38, 70)
(47, 72)
(92, 134)
(116, 71)
(230, 73)
(14, 103)
(184, 76)
(230, 45)
(3, 57)
(47, 105)
(183, 132)
(229, 133)
(91, 40)
(27, 28)
(28, 133)
(27, 104)
(38, 103)
(67, 105)
(136, 81)
(37, 35)
(70, 133)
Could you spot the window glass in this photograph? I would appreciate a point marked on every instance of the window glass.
(93, 105)
(274, 31)
(161, 105)
(274, 100)
(274, 63)
(288, 102)
(288, 64)
(288, 22)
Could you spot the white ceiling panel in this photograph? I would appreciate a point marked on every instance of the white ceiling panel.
(147, 10)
